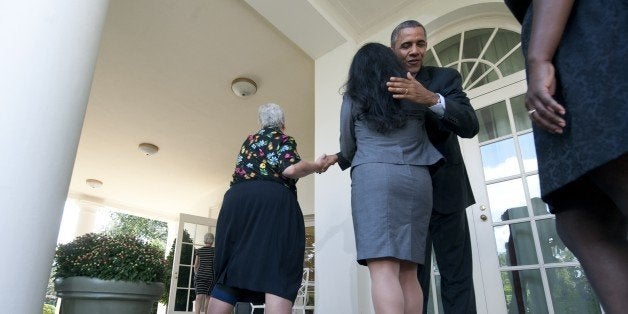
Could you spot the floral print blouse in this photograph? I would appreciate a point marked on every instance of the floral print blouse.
(264, 156)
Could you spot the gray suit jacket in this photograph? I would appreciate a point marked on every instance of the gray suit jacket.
(452, 190)
(408, 145)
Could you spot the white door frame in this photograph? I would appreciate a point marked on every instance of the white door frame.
(486, 275)
(197, 238)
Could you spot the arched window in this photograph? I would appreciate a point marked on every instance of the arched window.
(481, 55)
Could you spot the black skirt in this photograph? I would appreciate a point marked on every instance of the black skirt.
(260, 240)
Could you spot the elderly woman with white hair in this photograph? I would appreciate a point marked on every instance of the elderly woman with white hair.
(260, 234)
(204, 272)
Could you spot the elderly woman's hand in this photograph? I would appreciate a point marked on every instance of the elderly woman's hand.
(330, 160)
(326, 161)
(304, 167)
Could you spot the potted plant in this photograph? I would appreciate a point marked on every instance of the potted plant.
(99, 273)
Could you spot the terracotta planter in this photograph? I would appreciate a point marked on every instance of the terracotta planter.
(80, 295)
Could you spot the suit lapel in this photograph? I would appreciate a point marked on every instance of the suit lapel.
(424, 77)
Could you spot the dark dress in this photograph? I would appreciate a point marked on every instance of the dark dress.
(592, 74)
(260, 233)
(204, 279)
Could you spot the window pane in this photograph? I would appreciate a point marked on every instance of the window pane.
(493, 121)
(186, 254)
(499, 159)
(429, 59)
(538, 206)
(479, 70)
(180, 301)
(528, 152)
(190, 229)
(520, 113)
(512, 64)
(185, 277)
(448, 49)
(310, 252)
(524, 292)
(465, 68)
(553, 249)
(571, 292)
(503, 42)
(515, 245)
(474, 42)
(507, 200)
(191, 298)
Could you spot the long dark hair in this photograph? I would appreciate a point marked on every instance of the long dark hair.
(371, 68)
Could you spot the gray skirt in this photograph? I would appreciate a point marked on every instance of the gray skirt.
(391, 207)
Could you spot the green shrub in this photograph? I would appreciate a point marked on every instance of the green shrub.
(49, 309)
(115, 257)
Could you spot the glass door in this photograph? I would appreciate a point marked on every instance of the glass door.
(520, 264)
(191, 235)
(518, 248)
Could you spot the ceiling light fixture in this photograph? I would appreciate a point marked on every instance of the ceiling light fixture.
(243, 87)
(93, 183)
(148, 149)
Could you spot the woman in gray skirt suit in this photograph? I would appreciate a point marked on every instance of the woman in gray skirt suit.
(391, 189)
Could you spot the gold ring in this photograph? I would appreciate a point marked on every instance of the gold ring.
(530, 112)
(406, 93)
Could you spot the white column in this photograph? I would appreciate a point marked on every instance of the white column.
(48, 52)
(345, 286)
(86, 219)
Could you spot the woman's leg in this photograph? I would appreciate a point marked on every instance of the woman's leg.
(593, 226)
(207, 304)
(200, 303)
(612, 178)
(222, 300)
(215, 306)
(600, 245)
(385, 287)
(412, 294)
(277, 304)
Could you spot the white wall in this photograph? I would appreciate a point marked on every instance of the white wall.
(340, 283)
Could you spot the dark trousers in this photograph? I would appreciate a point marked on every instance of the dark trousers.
(449, 234)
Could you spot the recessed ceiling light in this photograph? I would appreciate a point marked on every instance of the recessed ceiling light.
(243, 87)
(148, 148)
(93, 183)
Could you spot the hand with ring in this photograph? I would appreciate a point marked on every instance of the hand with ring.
(543, 108)
(409, 88)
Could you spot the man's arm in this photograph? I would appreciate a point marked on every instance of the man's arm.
(459, 116)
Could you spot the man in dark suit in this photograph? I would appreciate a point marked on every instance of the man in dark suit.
(450, 116)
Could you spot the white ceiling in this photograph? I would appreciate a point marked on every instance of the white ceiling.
(163, 76)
